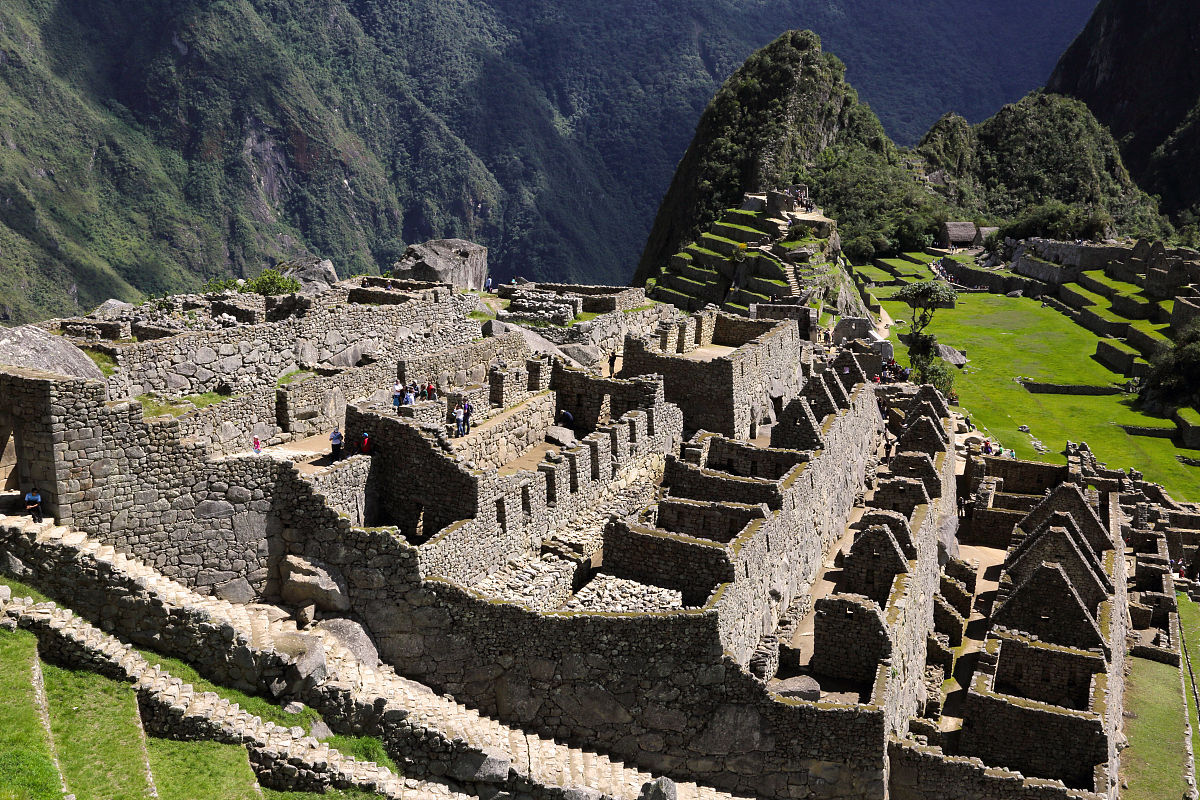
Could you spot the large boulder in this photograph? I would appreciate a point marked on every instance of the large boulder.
(453, 261)
(30, 346)
(308, 582)
(353, 637)
(315, 275)
(113, 309)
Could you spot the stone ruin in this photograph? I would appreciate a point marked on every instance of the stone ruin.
(742, 571)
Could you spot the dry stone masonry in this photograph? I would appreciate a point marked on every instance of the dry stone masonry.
(705, 559)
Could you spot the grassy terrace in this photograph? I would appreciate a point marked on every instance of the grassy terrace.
(1007, 338)
(1156, 760)
(1120, 287)
(874, 274)
(98, 743)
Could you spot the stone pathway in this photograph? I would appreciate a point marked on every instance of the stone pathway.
(208, 712)
(541, 761)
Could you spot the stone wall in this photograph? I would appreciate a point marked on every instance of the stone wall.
(468, 363)
(247, 357)
(730, 394)
(919, 772)
(509, 433)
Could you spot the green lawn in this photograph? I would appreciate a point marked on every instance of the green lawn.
(201, 770)
(96, 733)
(26, 769)
(1189, 626)
(1155, 761)
(1007, 338)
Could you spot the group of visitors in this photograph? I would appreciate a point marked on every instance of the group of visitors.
(337, 441)
(408, 395)
(462, 418)
(893, 372)
(997, 450)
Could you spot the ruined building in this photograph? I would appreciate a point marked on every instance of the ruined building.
(739, 571)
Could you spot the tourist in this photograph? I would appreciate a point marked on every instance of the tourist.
(257, 445)
(409, 398)
(467, 409)
(397, 396)
(487, 285)
(335, 443)
(364, 447)
(567, 419)
(33, 504)
(423, 394)
(431, 390)
(458, 419)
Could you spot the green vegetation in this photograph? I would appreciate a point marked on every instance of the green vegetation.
(294, 376)
(1006, 338)
(155, 406)
(1155, 763)
(268, 282)
(1189, 626)
(26, 767)
(201, 770)
(95, 725)
(1045, 152)
(1174, 378)
(106, 363)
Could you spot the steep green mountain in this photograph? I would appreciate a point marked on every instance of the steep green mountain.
(1044, 148)
(1136, 66)
(787, 115)
(146, 144)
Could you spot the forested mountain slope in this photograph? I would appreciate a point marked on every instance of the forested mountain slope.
(148, 144)
(1137, 66)
(788, 115)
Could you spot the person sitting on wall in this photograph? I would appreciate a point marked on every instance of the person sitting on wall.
(335, 443)
(33, 503)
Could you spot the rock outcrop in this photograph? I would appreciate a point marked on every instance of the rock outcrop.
(453, 261)
(314, 276)
(30, 346)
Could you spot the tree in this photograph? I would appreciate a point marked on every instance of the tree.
(925, 297)
(1174, 378)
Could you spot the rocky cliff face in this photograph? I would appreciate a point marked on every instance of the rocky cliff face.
(1137, 67)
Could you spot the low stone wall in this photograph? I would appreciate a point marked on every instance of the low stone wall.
(670, 560)
(994, 282)
(920, 772)
(468, 363)
(343, 486)
(231, 425)
(1036, 387)
(510, 433)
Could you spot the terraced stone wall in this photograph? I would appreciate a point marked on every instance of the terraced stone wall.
(253, 356)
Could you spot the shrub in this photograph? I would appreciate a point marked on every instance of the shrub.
(271, 282)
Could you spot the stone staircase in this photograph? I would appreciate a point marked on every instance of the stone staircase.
(175, 707)
(541, 764)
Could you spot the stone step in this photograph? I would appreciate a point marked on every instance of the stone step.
(544, 761)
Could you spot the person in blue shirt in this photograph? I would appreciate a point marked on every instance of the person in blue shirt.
(335, 441)
(33, 503)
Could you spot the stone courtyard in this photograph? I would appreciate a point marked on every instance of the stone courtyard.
(735, 566)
